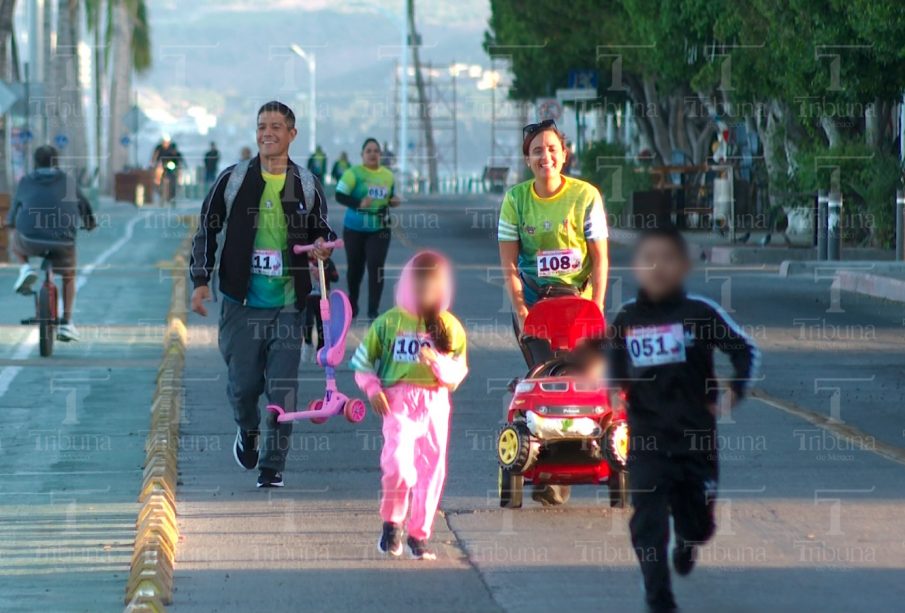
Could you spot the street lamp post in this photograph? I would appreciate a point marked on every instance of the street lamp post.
(310, 60)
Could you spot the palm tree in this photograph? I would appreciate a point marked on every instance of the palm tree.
(7, 7)
(65, 114)
(129, 43)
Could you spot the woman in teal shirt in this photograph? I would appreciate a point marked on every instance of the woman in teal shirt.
(367, 190)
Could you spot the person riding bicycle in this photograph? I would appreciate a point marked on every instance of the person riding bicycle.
(45, 216)
(167, 160)
(553, 239)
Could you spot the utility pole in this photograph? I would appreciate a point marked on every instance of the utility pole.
(424, 110)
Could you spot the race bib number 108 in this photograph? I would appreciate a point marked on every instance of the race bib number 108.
(558, 262)
(406, 347)
(656, 345)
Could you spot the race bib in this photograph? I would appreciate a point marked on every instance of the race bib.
(406, 347)
(267, 262)
(377, 192)
(656, 345)
(558, 262)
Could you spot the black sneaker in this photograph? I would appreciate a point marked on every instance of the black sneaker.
(683, 557)
(246, 448)
(390, 540)
(270, 478)
(419, 549)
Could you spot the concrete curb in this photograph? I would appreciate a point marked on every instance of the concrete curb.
(869, 284)
(149, 587)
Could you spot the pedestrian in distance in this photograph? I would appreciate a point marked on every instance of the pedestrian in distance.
(411, 359)
(367, 190)
(340, 166)
(211, 165)
(317, 164)
(265, 206)
(662, 346)
(313, 319)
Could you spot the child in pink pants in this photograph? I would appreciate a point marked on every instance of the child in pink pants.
(410, 360)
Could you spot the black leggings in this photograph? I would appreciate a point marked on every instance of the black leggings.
(313, 319)
(366, 248)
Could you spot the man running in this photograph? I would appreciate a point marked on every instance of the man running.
(45, 217)
(268, 205)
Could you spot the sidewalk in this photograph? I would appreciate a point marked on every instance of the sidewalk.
(712, 248)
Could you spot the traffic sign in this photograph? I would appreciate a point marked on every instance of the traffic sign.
(583, 79)
(125, 140)
(574, 95)
(548, 108)
(25, 136)
(8, 96)
(61, 140)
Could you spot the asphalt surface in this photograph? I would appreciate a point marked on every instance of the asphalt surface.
(808, 521)
(74, 425)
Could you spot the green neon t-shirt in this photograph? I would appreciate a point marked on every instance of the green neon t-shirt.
(271, 286)
(360, 182)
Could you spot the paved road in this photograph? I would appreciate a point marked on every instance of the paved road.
(74, 425)
(808, 521)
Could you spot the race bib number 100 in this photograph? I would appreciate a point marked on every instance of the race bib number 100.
(406, 347)
(656, 345)
(268, 262)
(558, 262)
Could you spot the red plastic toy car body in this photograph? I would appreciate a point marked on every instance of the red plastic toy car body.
(561, 428)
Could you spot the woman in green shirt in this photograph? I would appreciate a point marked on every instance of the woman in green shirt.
(367, 190)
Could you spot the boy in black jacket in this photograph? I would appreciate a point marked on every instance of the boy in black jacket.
(662, 357)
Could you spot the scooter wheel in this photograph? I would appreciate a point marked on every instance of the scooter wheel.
(355, 410)
(317, 405)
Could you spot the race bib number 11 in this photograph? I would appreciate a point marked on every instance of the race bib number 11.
(656, 345)
(406, 347)
(558, 262)
(268, 262)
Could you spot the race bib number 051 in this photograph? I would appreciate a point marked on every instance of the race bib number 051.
(656, 345)
(268, 262)
(558, 262)
(406, 347)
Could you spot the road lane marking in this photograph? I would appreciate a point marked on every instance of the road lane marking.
(844, 431)
(24, 349)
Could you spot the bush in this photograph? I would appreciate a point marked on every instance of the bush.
(606, 166)
(868, 180)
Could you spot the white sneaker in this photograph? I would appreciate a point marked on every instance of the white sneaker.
(67, 333)
(27, 278)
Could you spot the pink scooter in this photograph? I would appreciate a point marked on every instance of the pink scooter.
(336, 312)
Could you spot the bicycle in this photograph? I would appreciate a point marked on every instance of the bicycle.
(46, 313)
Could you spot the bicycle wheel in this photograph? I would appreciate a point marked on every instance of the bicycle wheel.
(46, 319)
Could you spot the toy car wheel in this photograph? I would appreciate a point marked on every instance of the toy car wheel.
(317, 405)
(619, 489)
(514, 449)
(511, 486)
(355, 410)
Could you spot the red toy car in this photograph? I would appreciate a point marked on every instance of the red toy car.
(561, 428)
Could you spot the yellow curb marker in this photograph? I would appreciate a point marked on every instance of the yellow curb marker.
(858, 438)
(149, 587)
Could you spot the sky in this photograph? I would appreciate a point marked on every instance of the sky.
(221, 58)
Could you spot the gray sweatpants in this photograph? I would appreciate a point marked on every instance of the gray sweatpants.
(261, 349)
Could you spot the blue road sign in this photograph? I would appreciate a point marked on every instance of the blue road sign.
(61, 140)
(26, 136)
(583, 79)
(125, 140)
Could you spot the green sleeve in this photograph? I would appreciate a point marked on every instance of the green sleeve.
(346, 183)
(368, 353)
(507, 230)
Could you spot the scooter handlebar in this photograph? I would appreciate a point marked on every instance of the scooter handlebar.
(337, 244)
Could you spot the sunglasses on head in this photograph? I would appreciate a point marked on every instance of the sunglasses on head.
(534, 128)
